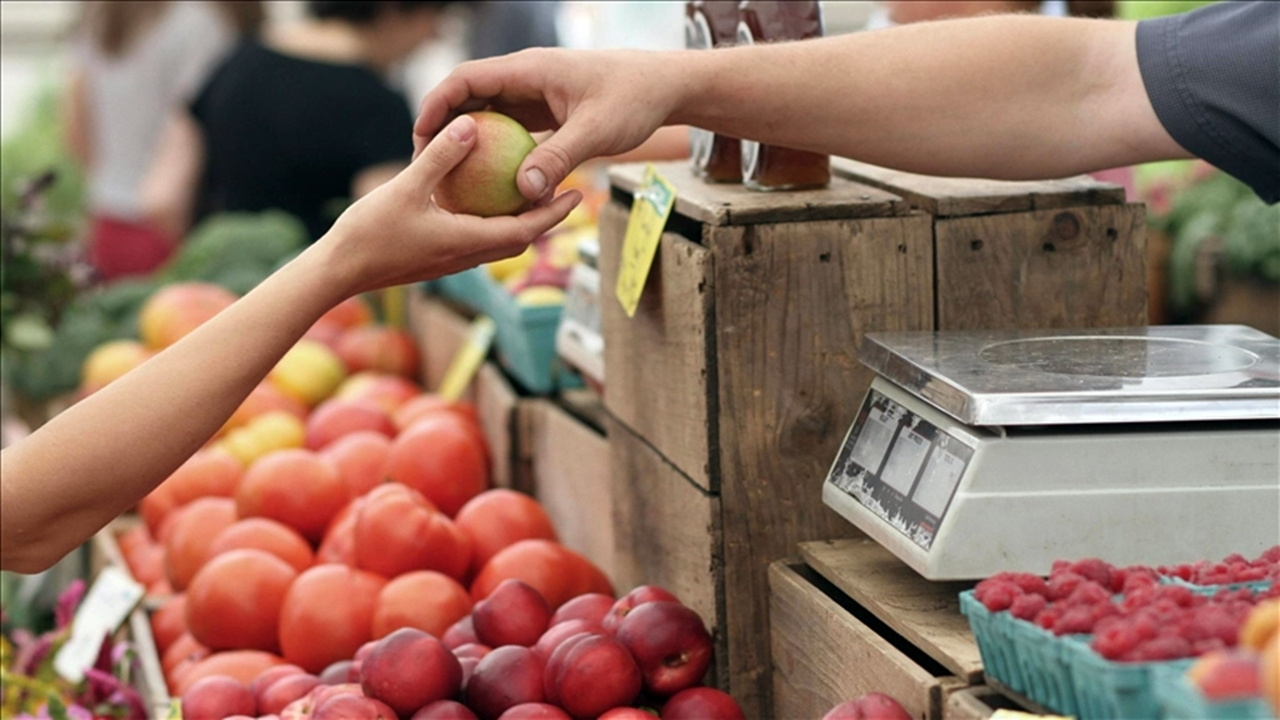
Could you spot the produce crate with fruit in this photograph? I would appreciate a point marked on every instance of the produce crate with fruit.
(1097, 641)
(848, 618)
(754, 310)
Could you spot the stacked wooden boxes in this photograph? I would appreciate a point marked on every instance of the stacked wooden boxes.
(729, 392)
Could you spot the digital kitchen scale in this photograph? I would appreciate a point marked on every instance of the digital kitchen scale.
(978, 452)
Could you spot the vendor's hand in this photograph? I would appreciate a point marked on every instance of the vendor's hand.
(397, 234)
(597, 102)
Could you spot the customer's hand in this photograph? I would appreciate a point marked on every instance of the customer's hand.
(597, 102)
(396, 234)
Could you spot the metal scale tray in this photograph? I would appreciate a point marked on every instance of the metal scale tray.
(1100, 376)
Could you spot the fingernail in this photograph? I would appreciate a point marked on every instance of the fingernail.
(536, 180)
(462, 128)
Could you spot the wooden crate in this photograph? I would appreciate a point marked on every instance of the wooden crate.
(105, 551)
(441, 330)
(568, 467)
(850, 618)
(739, 372)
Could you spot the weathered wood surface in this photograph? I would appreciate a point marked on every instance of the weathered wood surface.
(925, 613)
(570, 478)
(823, 654)
(667, 531)
(977, 703)
(659, 383)
(952, 197)
(793, 302)
(497, 405)
(1078, 267)
(733, 204)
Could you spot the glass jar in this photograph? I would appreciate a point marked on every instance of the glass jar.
(713, 24)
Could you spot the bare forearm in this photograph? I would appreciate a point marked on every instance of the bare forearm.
(71, 477)
(1007, 96)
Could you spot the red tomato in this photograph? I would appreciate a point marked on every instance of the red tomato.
(327, 615)
(295, 487)
(234, 601)
(397, 530)
(242, 665)
(497, 518)
(557, 572)
(195, 525)
(263, 534)
(440, 458)
(426, 600)
(169, 622)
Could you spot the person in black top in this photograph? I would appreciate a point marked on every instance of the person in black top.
(1012, 97)
(301, 120)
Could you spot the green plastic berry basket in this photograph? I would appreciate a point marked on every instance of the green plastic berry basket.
(1023, 656)
(1108, 690)
(1256, 586)
(1179, 699)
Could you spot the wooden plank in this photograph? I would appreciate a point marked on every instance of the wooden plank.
(496, 404)
(823, 654)
(955, 197)
(440, 330)
(659, 383)
(733, 204)
(977, 703)
(793, 303)
(1082, 267)
(586, 405)
(667, 531)
(926, 613)
(571, 479)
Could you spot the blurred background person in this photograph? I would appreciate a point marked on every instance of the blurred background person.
(302, 120)
(132, 62)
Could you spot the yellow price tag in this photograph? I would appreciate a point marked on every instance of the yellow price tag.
(649, 213)
(468, 360)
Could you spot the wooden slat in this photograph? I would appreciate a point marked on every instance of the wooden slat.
(793, 303)
(733, 204)
(954, 197)
(977, 703)
(658, 381)
(824, 655)
(571, 480)
(1082, 267)
(667, 532)
(496, 406)
(926, 613)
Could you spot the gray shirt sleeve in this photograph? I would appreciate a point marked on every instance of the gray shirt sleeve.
(1213, 76)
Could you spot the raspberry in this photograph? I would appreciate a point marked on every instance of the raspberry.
(1062, 585)
(1136, 579)
(1048, 617)
(999, 596)
(1105, 610)
(1252, 574)
(1094, 569)
(1031, 583)
(1089, 593)
(1213, 621)
(1164, 647)
(1059, 567)
(1271, 555)
(1114, 642)
(1137, 598)
(1076, 621)
(1180, 596)
(1235, 558)
(1027, 607)
(1144, 624)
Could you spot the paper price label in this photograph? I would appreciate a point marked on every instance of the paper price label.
(109, 601)
(649, 213)
(468, 360)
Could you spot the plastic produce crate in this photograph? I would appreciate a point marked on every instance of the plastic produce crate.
(525, 337)
(1178, 699)
(1107, 690)
(1023, 656)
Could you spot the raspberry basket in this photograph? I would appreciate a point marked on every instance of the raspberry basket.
(1109, 690)
(1023, 656)
(1178, 699)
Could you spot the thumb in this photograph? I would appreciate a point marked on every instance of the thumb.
(443, 153)
(552, 161)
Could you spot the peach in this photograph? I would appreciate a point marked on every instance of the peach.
(591, 607)
(1226, 675)
(340, 671)
(627, 713)
(597, 673)
(558, 633)
(670, 643)
(1261, 625)
(275, 697)
(484, 183)
(175, 310)
(702, 703)
(269, 676)
(335, 418)
(638, 596)
(309, 372)
(534, 711)
(513, 614)
(380, 348)
(265, 434)
(444, 710)
(460, 633)
(506, 677)
(352, 707)
(1269, 672)
(386, 391)
(409, 669)
(871, 706)
(217, 696)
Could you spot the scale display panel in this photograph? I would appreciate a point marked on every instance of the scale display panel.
(901, 467)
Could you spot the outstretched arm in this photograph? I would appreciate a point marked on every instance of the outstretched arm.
(99, 457)
(1008, 96)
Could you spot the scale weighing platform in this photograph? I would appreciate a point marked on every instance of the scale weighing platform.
(978, 452)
